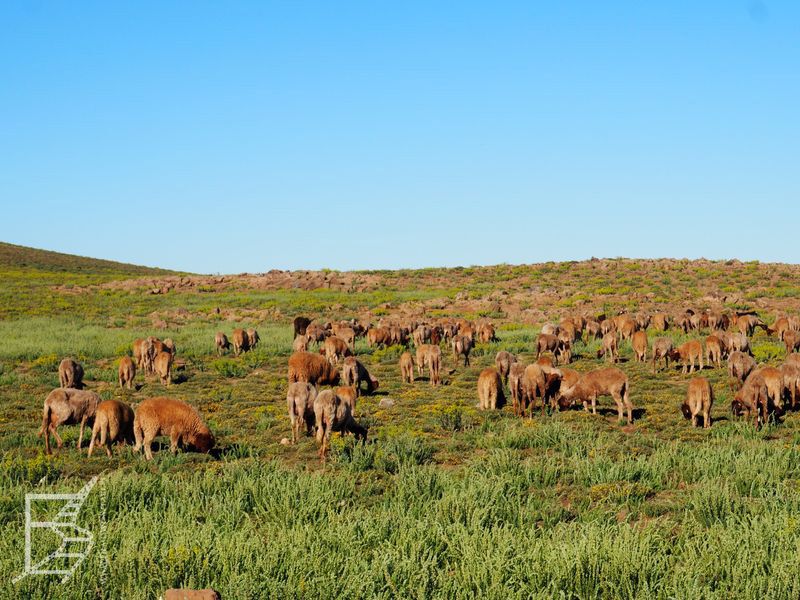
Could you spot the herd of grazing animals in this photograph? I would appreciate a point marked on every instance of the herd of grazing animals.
(760, 391)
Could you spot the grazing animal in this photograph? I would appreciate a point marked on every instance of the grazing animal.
(173, 418)
(660, 322)
(503, 362)
(335, 349)
(699, 398)
(516, 385)
(113, 422)
(538, 381)
(486, 333)
(752, 398)
(241, 341)
(70, 374)
(462, 346)
(608, 381)
(300, 344)
(545, 361)
(300, 325)
(609, 347)
(639, 345)
(791, 340)
(163, 367)
(300, 405)
(354, 373)
(773, 379)
(592, 330)
(746, 324)
(421, 335)
(67, 406)
(662, 347)
(332, 413)
(126, 372)
(406, 367)
(221, 343)
(346, 334)
(569, 377)
(740, 365)
(780, 326)
(626, 327)
(379, 336)
(688, 353)
(791, 381)
(170, 346)
(252, 339)
(313, 368)
(546, 342)
(490, 390)
(187, 594)
(142, 350)
(714, 351)
(430, 356)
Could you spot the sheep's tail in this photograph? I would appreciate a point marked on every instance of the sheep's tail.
(45, 419)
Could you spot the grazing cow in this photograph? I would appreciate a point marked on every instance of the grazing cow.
(113, 422)
(163, 367)
(490, 390)
(430, 356)
(354, 373)
(313, 368)
(699, 398)
(332, 413)
(714, 350)
(175, 418)
(67, 406)
(740, 365)
(221, 343)
(300, 404)
(639, 345)
(688, 353)
(407, 367)
(609, 347)
(126, 372)
(300, 325)
(503, 362)
(462, 345)
(70, 374)
(662, 347)
(241, 341)
(335, 349)
(608, 381)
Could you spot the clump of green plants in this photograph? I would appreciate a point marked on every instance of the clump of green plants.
(229, 368)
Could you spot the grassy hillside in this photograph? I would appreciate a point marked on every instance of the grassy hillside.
(444, 500)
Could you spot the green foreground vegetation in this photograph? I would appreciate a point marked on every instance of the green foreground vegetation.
(444, 500)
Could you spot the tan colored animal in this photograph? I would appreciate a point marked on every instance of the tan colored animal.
(540, 382)
(430, 356)
(740, 365)
(486, 333)
(699, 398)
(187, 594)
(753, 398)
(313, 368)
(173, 418)
(379, 336)
(335, 349)
(791, 381)
(773, 379)
(546, 343)
(70, 374)
(490, 390)
(609, 347)
(113, 422)
(639, 345)
(660, 321)
(163, 367)
(300, 344)
(503, 361)
(170, 346)
(462, 346)
(348, 394)
(126, 372)
(252, 339)
(316, 333)
(241, 341)
(142, 353)
(354, 373)
(592, 330)
(746, 324)
(300, 405)
(779, 327)
(714, 351)
(346, 334)
(421, 335)
(791, 340)
(626, 327)
(608, 381)
(545, 361)
(688, 353)
(221, 343)
(516, 386)
(332, 413)
(407, 367)
(67, 406)
(662, 348)
(569, 377)
(563, 352)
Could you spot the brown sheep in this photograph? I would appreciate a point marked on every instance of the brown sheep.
(335, 349)
(545, 361)
(563, 353)
(608, 381)
(516, 379)
(347, 335)
(546, 342)
(503, 362)
(67, 406)
(252, 339)
(486, 333)
(170, 346)
(300, 405)
(490, 390)
(688, 353)
(126, 372)
(300, 325)
(539, 381)
(300, 344)
(430, 356)
(567, 332)
(780, 327)
(187, 594)
(626, 327)
(792, 341)
(569, 377)
(70, 374)
(662, 347)
(354, 373)
(773, 379)
(141, 353)
(592, 330)
(609, 347)
(316, 333)
(163, 367)
(406, 367)
(714, 351)
(348, 394)
(639, 345)
(332, 413)
(421, 335)
(313, 368)
(462, 346)
(740, 365)
(660, 322)
(753, 398)
(113, 422)
(379, 336)
(241, 341)
(791, 381)
(746, 324)
(175, 418)
(699, 398)
(740, 342)
(221, 343)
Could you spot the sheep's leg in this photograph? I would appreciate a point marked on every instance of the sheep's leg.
(174, 438)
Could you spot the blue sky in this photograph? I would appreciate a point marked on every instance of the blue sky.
(237, 136)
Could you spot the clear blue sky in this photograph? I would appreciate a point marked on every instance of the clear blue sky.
(236, 136)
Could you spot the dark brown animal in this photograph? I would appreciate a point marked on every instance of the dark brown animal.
(354, 373)
(173, 418)
(67, 406)
(113, 422)
(221, 343)
(300, 325)
(70, 374)
(699, 398)
(313, 368)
